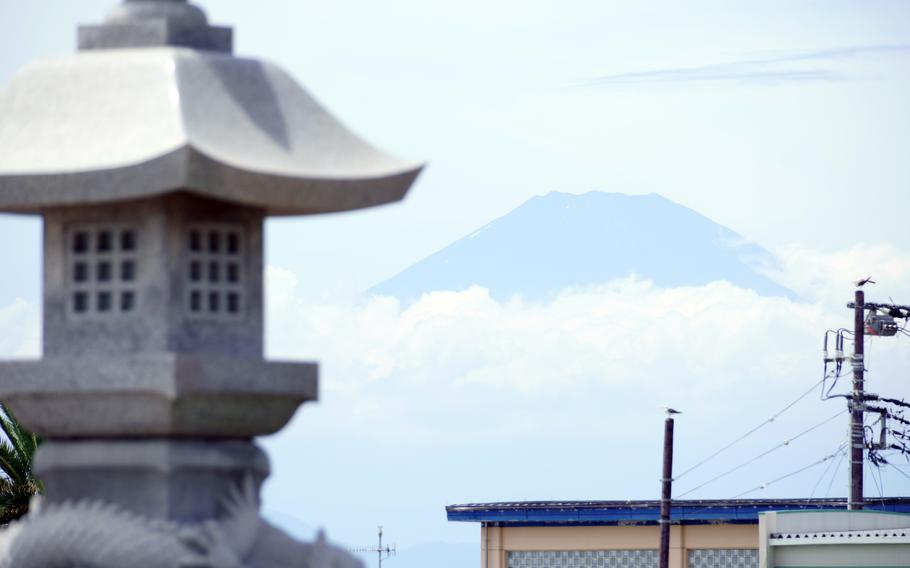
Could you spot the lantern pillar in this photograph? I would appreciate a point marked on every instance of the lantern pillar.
(154, 156)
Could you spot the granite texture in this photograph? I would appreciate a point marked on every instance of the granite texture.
(155, 504)
(228, 128)
(163, 363)
(175, 480)
(159, 320)
(156, 395)
(154, 157)
(149, 24)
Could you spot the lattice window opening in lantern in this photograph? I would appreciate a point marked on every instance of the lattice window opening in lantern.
(102, 270)
(215, 283)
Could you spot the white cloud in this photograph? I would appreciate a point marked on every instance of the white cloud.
(827, 277)
(460, 397)
(456, 350)
(20, 331)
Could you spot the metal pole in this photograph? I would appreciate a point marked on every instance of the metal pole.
(379, 550)
(665, 500)
(857, 405)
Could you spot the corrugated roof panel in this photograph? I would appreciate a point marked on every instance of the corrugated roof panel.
(646, 512)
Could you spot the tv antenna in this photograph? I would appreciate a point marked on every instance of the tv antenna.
(382, 552)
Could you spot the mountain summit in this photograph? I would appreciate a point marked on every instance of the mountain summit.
(563, 240)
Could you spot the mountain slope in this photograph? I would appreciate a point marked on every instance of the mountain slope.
(561, 240)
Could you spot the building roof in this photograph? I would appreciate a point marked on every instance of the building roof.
(712, 511)
(118, 122)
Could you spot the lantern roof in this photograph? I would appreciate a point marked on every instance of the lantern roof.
(136, 115)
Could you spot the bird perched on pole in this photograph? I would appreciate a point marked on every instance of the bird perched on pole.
(866, 280)
(671, 411)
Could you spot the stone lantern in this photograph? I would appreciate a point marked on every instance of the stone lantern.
(154, 155)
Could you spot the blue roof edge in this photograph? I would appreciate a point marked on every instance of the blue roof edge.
(585, 513)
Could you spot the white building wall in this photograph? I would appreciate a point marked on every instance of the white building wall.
(848, 539)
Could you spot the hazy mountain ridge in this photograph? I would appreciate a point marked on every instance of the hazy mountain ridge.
(563, 240)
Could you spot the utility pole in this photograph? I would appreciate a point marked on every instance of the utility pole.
(857, 404)
(666, 490)
(880, 322)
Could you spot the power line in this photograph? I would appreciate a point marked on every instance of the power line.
(763, 454)
(834, 475)
(822, 477)
(881, 494)
(881, 482)
(900, 471)
(750, 432)
(840, 451)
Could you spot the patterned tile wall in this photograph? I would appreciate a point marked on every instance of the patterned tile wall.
(699, 558)
(723, 558)
(584, 559)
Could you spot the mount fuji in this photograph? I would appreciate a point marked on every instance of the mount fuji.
(564, 240)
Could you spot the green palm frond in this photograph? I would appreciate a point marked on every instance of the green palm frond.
(17, 481)
(11, 463)
(24, 441)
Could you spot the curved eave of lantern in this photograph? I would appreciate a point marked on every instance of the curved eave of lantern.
(115, 125)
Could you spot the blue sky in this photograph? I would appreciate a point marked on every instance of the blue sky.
(786, 121)
(768, 117)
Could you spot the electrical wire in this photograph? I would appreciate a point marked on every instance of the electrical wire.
(834, 475)
(749, 433)
(878, 485)
(765, 453)
(838, 360)
(900, 471)
(840, 450)
(823, 475)
(826, 394)
(881, 483)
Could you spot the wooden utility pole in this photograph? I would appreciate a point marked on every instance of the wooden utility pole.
(857, 404)
(666, 491)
